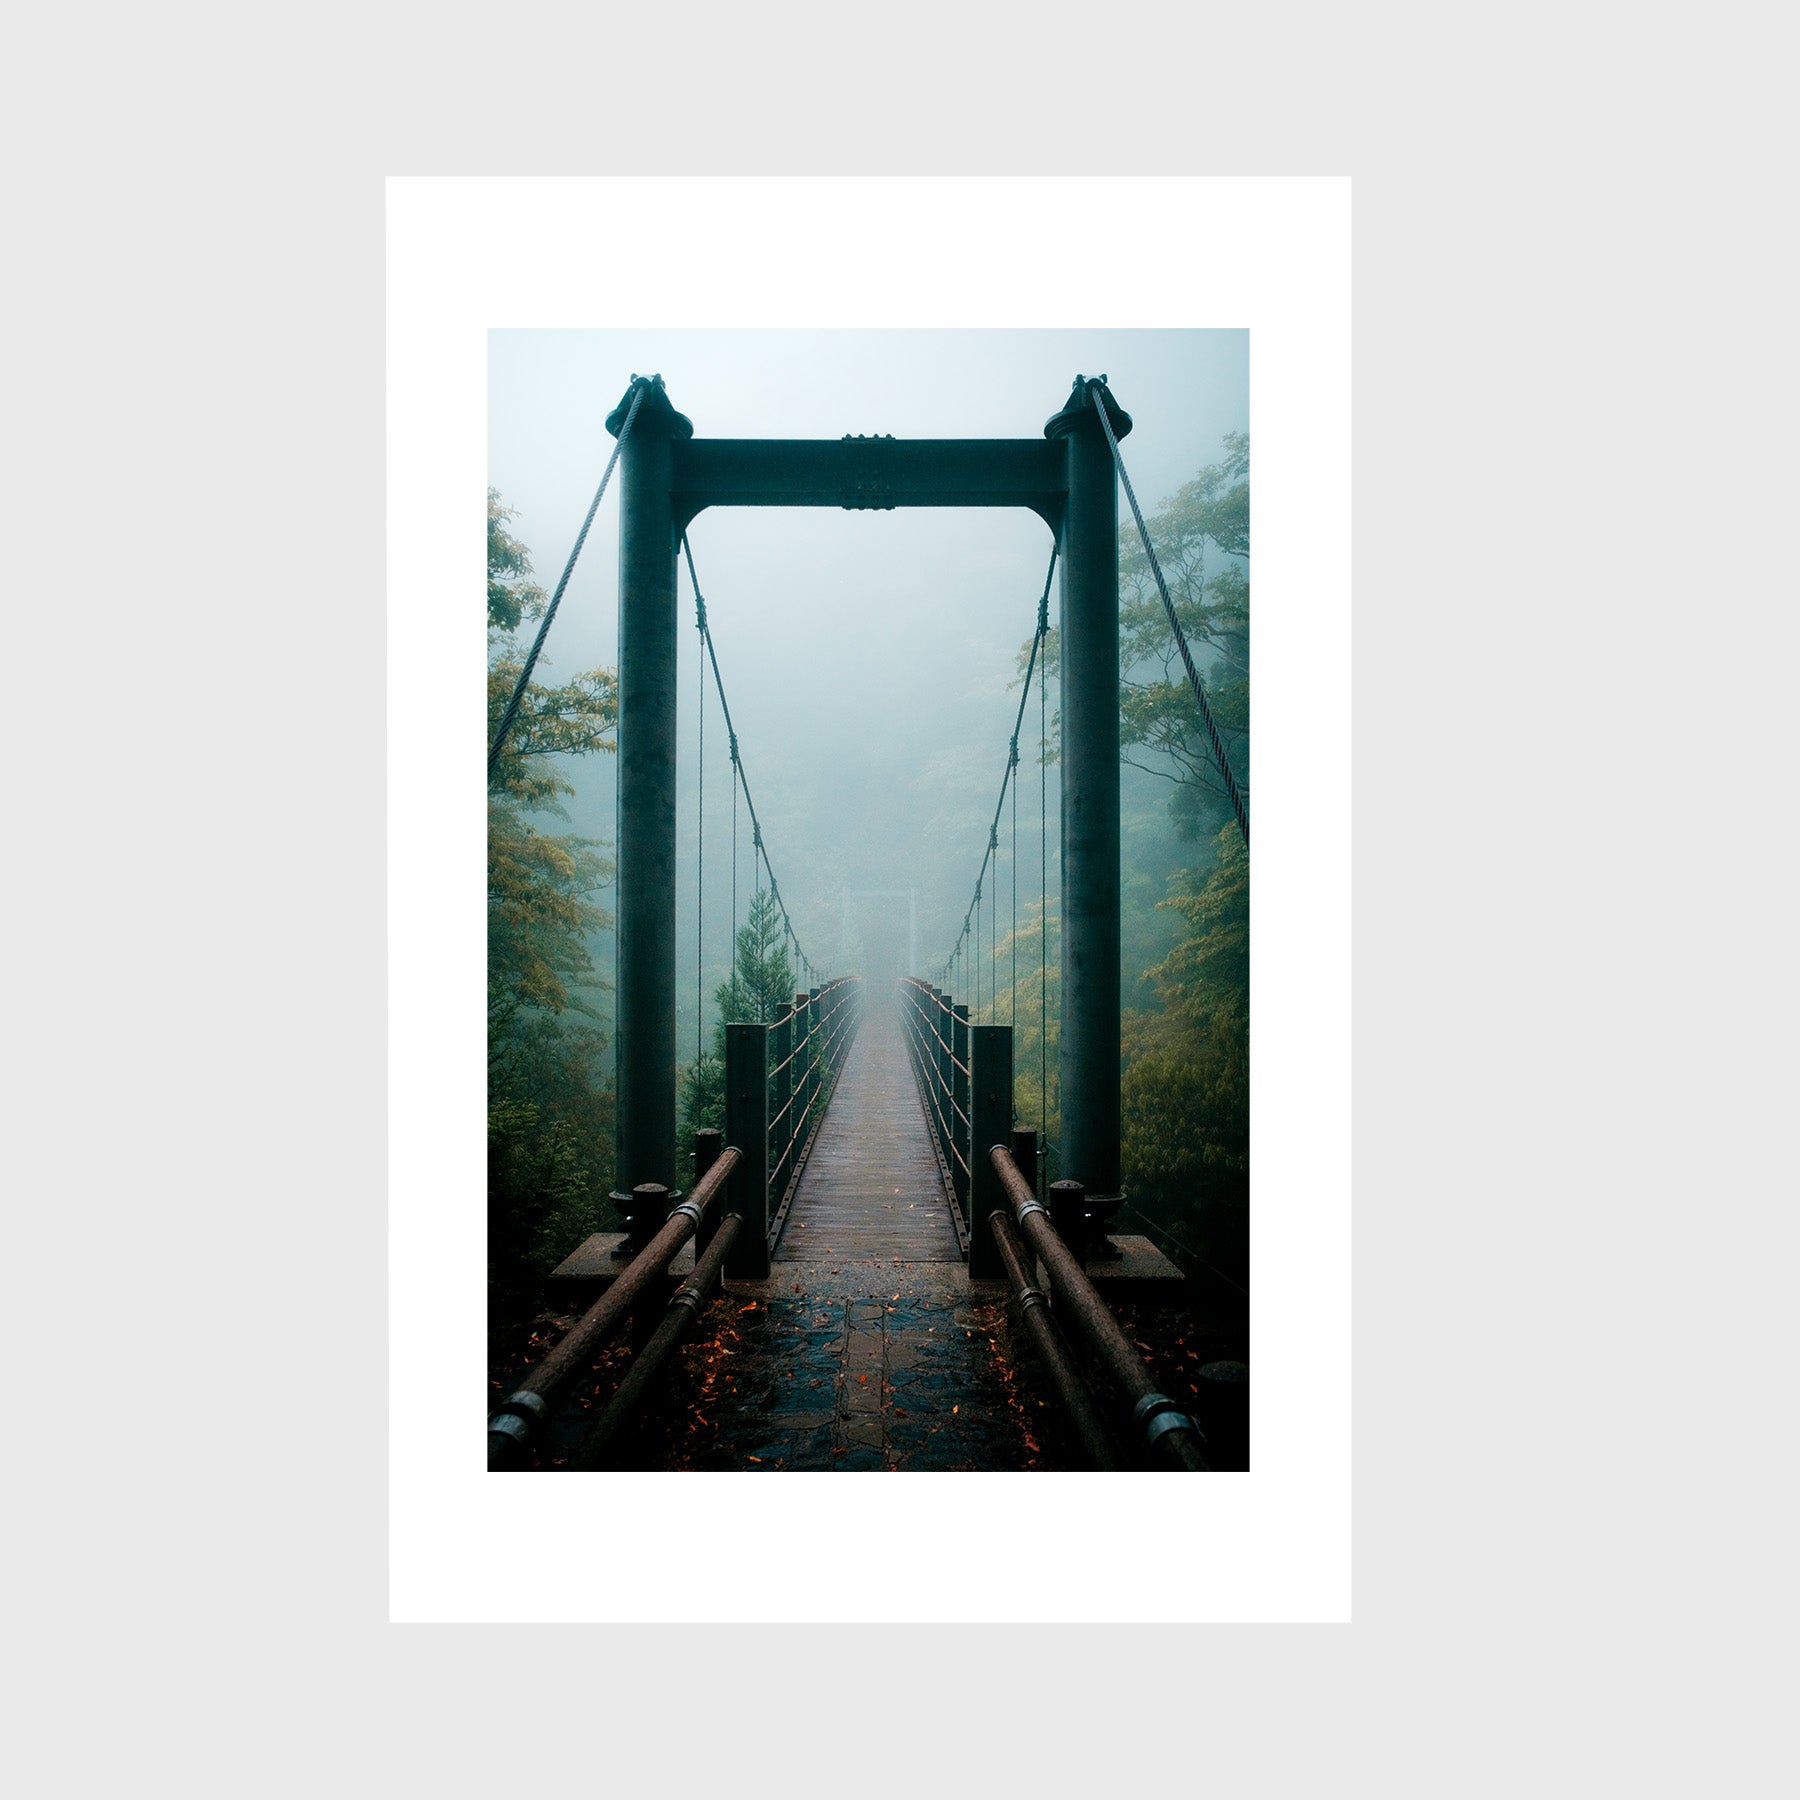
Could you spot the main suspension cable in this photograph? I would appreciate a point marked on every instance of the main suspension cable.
(1181, 643)
(971, 918)
(639, 387)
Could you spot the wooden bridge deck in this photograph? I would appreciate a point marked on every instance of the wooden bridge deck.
(871, 1187)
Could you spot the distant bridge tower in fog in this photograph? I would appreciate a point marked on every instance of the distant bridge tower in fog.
(911, 897)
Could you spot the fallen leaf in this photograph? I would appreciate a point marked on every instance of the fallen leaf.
(753, 1459)
(956, 1409)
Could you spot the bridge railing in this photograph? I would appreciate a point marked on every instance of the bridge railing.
(778, 1079)
(937, 1041)
(525, 1411)
(965, 1076)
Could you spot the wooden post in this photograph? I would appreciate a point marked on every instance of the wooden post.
(747, 1130)
(707, 1145)
(990, 1123)
(1068, 1213)
(1025, 1154)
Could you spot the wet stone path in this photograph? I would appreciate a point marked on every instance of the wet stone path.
(862, 1366)
(867, 1347)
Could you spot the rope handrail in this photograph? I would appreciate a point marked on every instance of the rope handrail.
(1095, 389)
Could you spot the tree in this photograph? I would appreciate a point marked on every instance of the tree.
(759, 990)
(549, 1111)
(1202, 539)
(1186, 1094)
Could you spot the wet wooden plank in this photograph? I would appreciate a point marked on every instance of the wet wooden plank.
(872, 1187)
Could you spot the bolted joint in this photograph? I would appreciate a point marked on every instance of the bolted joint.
(1078, 411)
(1156, 1413)
(513, 1426)
(654, 413)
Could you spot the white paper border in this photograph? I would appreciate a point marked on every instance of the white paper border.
(1270, 255)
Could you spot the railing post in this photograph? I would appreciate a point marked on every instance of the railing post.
(990, 1123)
(747, 1128)
(1025, 1154)
(708, 1142)
(1068, 1213)
(959, 1107)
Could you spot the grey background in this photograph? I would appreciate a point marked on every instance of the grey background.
(1573, 1197)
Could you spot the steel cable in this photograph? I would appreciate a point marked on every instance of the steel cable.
(971, 916)
(743, 781)
(639, 387)
(1095, 389)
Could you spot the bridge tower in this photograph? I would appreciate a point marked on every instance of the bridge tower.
(1088, 1053)
(649, 539)
(1067, 477)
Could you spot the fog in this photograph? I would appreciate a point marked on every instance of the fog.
(869, 657)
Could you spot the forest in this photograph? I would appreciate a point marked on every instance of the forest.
(1185, 880)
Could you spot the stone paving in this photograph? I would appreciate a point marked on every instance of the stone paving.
(862, 1366)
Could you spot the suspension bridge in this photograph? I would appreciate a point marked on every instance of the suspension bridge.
(877, 1217)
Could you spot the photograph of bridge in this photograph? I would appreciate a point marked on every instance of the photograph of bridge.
(868, 906)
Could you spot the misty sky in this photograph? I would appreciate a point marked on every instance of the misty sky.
(868, 656)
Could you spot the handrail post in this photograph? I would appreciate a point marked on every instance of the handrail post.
(959, 1107)
(747, 1127)
(1068, 1213)
(708, 1142)
(990, 1123)
(1025, 1153)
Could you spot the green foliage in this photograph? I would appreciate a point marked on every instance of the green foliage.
(759, 989)
(549, 1109)
(1033, 1007)
(1186, 1118)
(1202, 539)
(1186, 1095)
(761, 986)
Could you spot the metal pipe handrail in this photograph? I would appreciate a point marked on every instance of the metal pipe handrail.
(527, 1407)
(689, 1301)
(1164, 1426)
(1071, 1390)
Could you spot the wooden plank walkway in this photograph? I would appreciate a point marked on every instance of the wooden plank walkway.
(871, 1187)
